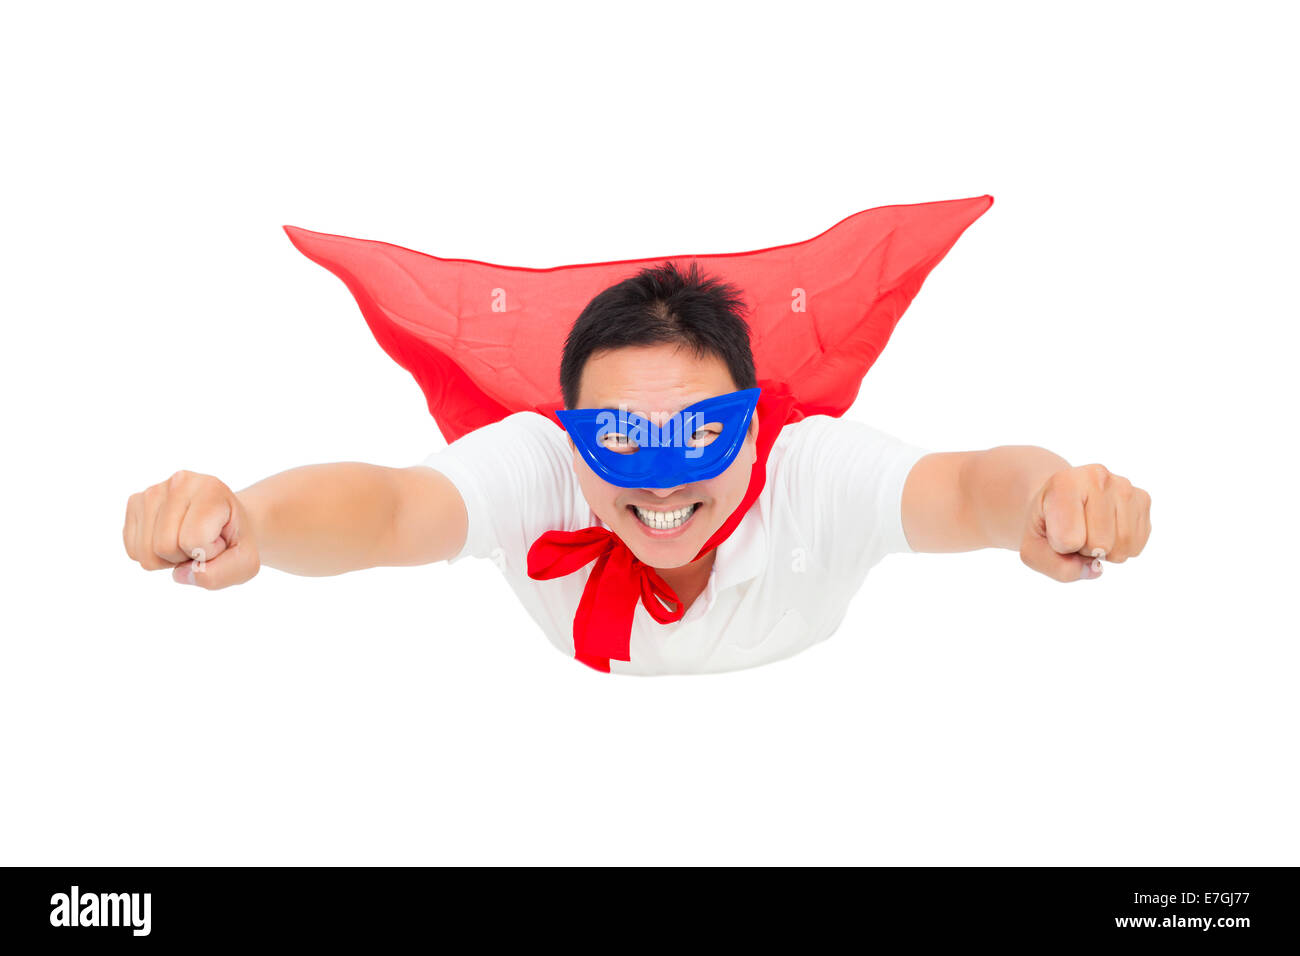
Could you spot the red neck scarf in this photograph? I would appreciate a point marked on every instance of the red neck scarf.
(602, 627)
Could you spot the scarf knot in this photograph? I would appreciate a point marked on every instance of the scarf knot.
(602, 628)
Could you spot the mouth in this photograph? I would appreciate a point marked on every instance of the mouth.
(665, 524)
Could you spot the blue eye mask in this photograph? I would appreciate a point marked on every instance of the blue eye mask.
(630, 451)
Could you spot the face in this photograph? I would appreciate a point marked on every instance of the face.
(656, 381)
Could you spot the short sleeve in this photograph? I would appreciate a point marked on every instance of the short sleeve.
(515, 477)
(845, 478)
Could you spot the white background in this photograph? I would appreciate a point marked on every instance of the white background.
(1128, 299)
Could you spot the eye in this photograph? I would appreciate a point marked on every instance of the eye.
(619, 443)
(706, 435)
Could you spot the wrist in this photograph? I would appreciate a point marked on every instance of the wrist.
(1008, 480)
(257, 505)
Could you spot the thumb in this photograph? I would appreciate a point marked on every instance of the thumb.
(1037, 553)
(235, 565)
(181, 572)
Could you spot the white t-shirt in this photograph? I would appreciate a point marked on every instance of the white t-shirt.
(831, 509)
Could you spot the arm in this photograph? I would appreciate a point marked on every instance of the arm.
(966, 500)
(1025, 498)
(329, 519)
(314, 520)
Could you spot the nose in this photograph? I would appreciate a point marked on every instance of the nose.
(663, 492)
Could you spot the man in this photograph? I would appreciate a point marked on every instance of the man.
(832, 497)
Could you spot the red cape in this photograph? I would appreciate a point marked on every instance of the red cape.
(485, 340)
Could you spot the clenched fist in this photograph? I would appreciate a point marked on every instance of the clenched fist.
(1081, 517)
(194, 525)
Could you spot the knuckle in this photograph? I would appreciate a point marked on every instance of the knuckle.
(1122, 543)
(178, 480)
(152, 496)
(187, 543)
(1123, 549)
(163, 541)
(1072, 540)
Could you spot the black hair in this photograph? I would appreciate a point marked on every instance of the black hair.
(661, 304)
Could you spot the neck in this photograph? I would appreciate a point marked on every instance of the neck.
(689, 581)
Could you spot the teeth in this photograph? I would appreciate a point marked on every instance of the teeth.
(664, 520)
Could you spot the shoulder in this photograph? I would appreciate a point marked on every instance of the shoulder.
(796, 464)
(806, 438)
(805, 428)
(847, 477)
(515, 476)
(523, 450)
(837, 462)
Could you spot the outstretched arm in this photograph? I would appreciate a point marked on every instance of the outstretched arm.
(314, 520)
(346, 516)
(1025, 499)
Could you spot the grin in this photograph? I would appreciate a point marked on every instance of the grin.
(664, 521)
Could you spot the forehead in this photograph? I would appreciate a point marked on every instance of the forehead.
(652, 379)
